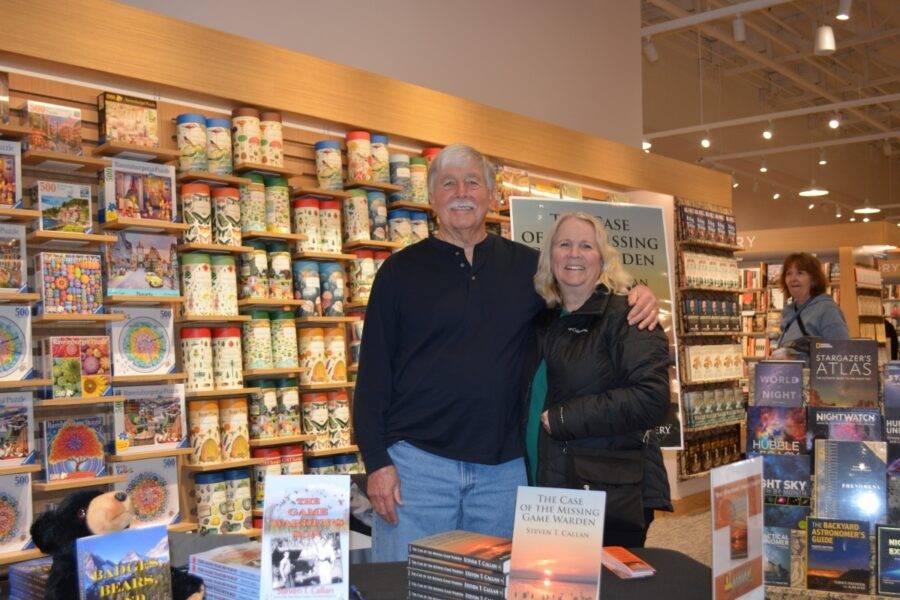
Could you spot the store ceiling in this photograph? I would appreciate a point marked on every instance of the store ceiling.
(776, 70)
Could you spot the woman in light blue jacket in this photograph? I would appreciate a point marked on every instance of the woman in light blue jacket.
(811, 312)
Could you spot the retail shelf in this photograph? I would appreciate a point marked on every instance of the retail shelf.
(183, 527)
(135, 152)
(710, 334)
(47, 160)
(494, 218)
(410, 206)
(67, 318)
(221, 466)
(260, 373)
(115, 458)
(10, 558)
(285, 303)
(355, 305)
(270, 170)
(211, 178)
(244, 391)
(251, 533)
(757, 334)
(125, 300)
(712, 381)
(280, 441)
(24, 383)
(319, 192)
(710, 244)
(683, 477)
(13, 132)
(323, 256)
(692, 430)
(756, 289)
(325, 320)
(165, 378)
(78, 482)
(69, 239)
(372, 185)
(696, 288)
(879, 317)
(314, 387)
(200, 319)
(215, 248)
(15, 470)
(148, 225)
(272, 235)
(76, 401)
(18, 215)
(868, 287)
(370, 244)
(754, 358)
(331, 451)
(18, 297)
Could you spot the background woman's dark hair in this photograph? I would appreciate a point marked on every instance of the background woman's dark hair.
(809, 263)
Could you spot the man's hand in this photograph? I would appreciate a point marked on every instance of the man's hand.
(383, 488)
(644, 308)
(545, 420)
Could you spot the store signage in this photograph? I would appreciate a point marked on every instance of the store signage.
(637, 232)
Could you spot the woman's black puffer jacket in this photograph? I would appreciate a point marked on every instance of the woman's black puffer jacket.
(608, 383)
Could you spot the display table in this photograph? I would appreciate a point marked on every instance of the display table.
(677, 577)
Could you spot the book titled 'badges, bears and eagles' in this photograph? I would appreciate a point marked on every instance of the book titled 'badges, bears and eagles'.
(133, 563)
(16, 429)
(144, 342)
(15, 512)
(152, 485)
(838, 555)
(851, 480)
(150, 418)
(737, 523)
(778, 383)
(843, 373)
(776, 430)
(16, 359)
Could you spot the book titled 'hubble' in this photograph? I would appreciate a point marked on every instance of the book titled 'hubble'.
(851, 480)
(775, 430)
(844, 373)
(778, 383)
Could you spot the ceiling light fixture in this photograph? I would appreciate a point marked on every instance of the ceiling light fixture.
(837, 213)
(650, 52)
(735, 185)
(824, 40)
(865, 219)
(843, 12)
(811, 206)
(739, 29)
(813, 191)
(767, 132)
(835, 121)
(867, 208)
(822, 160)
(776, 196)
(763, 168)
(853, 219)
(705, 143)
(646, 145)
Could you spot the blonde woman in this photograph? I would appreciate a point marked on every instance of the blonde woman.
(596, 385)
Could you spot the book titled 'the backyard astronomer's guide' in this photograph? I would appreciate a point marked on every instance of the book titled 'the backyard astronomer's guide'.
(557, 544)
(737, 530)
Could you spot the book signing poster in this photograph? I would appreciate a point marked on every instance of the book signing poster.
(639, 234)
(737, 539)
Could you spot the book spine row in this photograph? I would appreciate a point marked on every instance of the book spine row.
(481, 563)
(442, 592)
(456, 583)
(458, 571)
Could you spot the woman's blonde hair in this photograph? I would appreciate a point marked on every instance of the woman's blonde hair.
(612, 274)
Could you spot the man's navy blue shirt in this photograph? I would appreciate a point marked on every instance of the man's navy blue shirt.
(442, 350)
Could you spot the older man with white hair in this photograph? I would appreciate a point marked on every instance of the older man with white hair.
(439, 394)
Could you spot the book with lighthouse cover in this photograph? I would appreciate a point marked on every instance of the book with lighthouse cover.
(132, 563)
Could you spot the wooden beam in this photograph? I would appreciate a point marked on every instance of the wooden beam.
(175, 55)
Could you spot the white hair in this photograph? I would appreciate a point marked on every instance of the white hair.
(457, 155)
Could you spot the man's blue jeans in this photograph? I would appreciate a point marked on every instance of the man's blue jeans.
(440, 494)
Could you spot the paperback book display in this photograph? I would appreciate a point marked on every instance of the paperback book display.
(461, 562)
(229, 572)
(28, 580)
(557, 543)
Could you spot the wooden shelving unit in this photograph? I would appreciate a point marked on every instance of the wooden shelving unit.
(222, 466)
(117, 458)
(262, 373)
(10, 131)
(336, 256)
(316, 321)
(24, 384)
(70, 319)
(371, 244)
(411, 206)
(266, 170)
(244, 391)
(15, 470)
(47, 487)
(318, 192)
(21, 556)
(18, 297)
(147, 225)
(136, 300)
(331, 451)
(214, 248)
(280, 441)
(372, 185)
(494, 218)
(76, 401)
(135, 152)
(211, 179)
(183, 527)
(315, 387)
(270, 303)
(46, 160)
(271, 235)
(68, 239)
(198, 319)
(18, 215)
(147, 379)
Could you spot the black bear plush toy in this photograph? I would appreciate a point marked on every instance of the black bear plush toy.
(85, 513)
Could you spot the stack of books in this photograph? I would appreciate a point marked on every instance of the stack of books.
(28, 580)
(459, 564)
(229, 572)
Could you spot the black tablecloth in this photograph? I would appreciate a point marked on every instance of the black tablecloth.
(677, 577)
